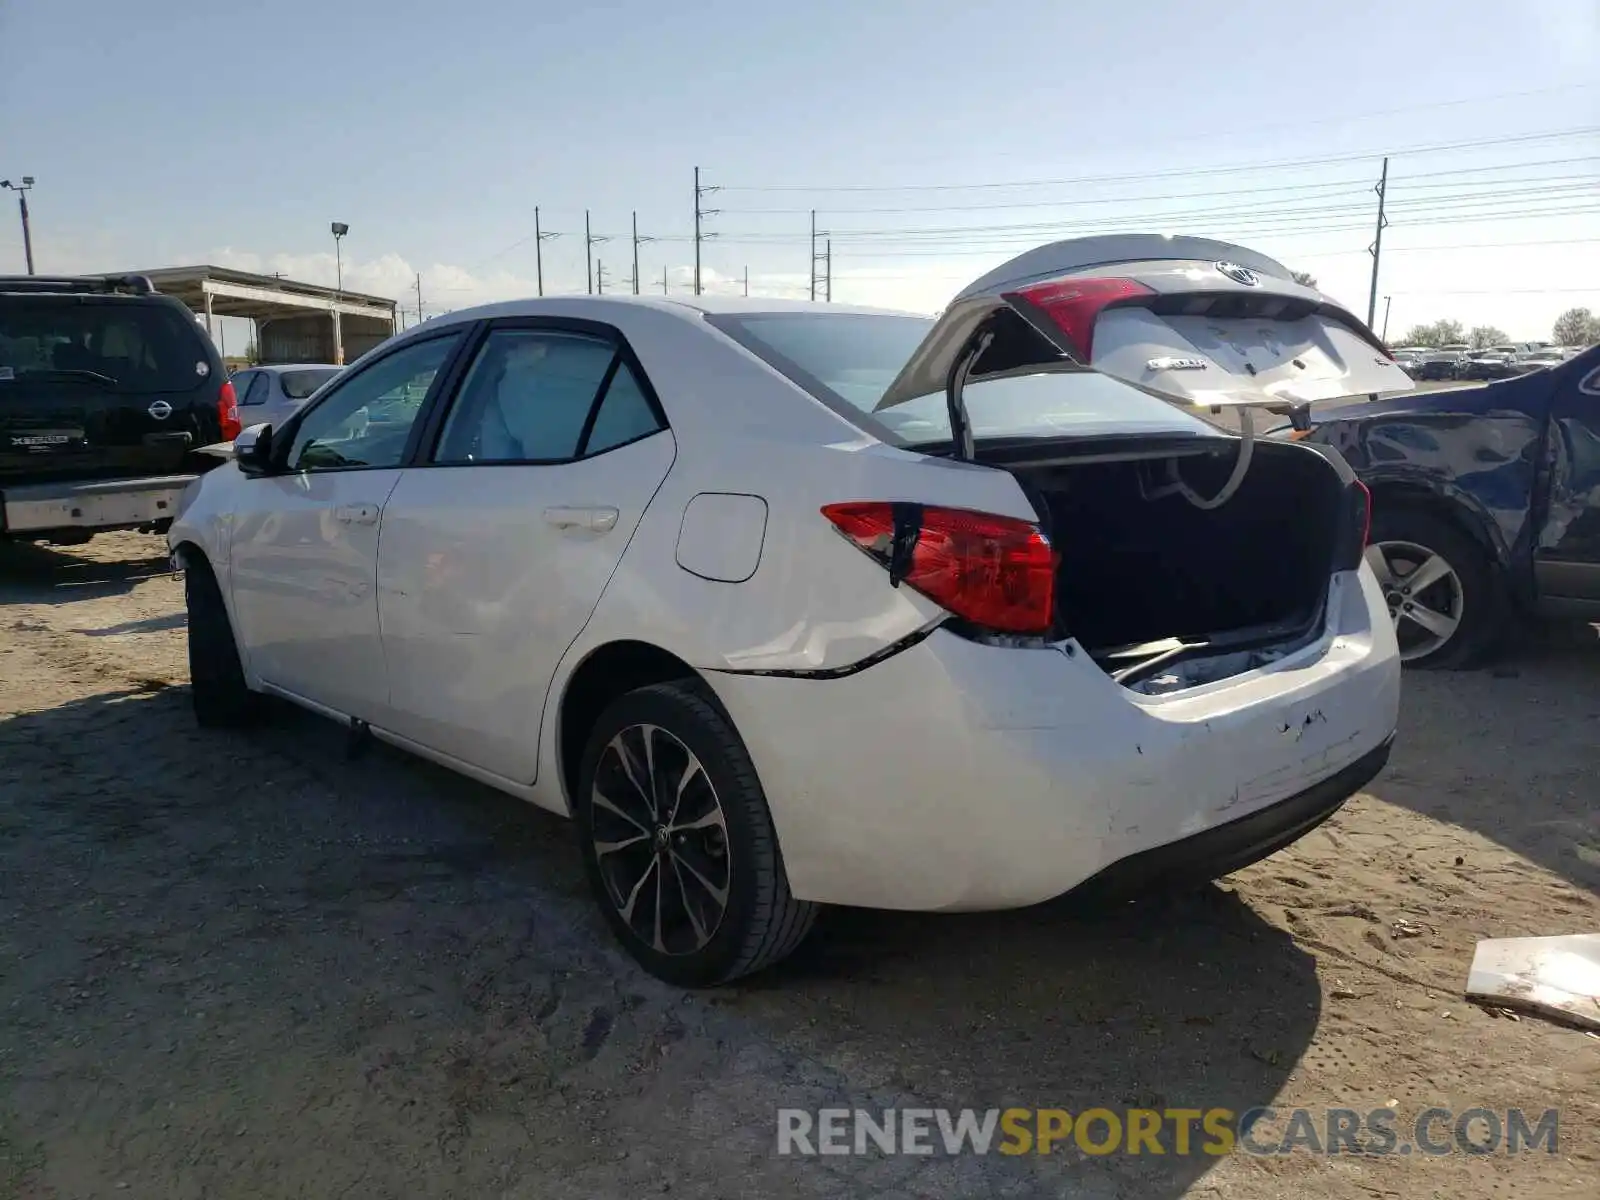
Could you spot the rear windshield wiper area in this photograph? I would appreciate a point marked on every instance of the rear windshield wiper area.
(66, 373)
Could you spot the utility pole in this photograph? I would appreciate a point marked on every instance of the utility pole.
(636, 242)
(22, 189)
(1384, 336)
(539, 239)
(747, 281)
(699, 216)
(813, 254)
(419, 297)
(825, 277)
(590, 241)
(1376, 249)
(600, 278)
(664, 288)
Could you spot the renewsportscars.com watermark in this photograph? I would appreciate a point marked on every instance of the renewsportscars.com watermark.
(1178, 1132)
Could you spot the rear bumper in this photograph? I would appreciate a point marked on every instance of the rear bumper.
(1244, 841)
(40, 508)
(958, 776)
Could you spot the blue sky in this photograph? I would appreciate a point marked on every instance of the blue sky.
(176, 131)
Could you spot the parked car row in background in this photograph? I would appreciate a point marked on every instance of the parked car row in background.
(1493, 362)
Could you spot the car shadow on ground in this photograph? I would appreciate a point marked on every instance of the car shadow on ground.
(32, 573)
(1509, 750)
(266, 875)
(1187, 1002)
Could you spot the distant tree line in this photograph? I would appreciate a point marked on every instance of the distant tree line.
(1575, 327)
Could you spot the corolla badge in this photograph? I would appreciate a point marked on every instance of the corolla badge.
(1239, 274)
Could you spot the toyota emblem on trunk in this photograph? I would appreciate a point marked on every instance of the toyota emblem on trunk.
(1239, 274)
(160, 410)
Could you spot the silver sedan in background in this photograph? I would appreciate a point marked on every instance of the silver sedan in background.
(271, 394)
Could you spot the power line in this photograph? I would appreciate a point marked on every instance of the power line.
(1479, 245)
(1300, 123)
(954, 249)
(1441, 203)
(1366, 156)
(1329, 219)
(1328, 185)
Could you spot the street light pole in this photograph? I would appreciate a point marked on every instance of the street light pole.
(339, 229)
(22, 189)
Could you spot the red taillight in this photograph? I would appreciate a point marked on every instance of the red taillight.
(996, 572)
(228, 411)
(1073, 306)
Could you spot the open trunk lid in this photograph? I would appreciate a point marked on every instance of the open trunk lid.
(1199, 322)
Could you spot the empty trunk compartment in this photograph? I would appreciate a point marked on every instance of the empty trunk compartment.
(1140, 569)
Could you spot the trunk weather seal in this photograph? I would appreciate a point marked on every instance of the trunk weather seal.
(844, 672)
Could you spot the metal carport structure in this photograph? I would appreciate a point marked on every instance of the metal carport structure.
(293, 321)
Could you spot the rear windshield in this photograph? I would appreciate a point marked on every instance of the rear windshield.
(297, 385)
(848, 361)
(123, 346)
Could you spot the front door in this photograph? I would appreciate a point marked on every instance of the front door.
(1567, 563)
(305, 538)
(497, 546)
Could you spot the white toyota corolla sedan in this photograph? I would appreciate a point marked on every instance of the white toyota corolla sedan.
(794, 604)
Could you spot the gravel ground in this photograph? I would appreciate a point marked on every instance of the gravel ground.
(244, 965)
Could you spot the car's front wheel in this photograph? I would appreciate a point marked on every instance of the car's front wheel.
(678, 842)
(1445, 596)
(216, 677)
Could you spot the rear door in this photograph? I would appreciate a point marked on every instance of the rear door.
(99, 386)
(1202, 323)
(497, 546)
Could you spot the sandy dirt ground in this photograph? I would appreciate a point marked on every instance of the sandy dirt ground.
(245, 965)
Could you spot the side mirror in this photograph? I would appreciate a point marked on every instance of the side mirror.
(252, 449)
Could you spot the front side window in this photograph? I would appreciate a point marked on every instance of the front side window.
(529, 394)
(366, 421)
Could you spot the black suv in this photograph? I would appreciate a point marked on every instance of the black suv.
(107, 391)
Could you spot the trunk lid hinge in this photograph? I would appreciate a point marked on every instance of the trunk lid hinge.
(955, 384)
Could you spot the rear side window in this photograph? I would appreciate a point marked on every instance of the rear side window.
(297, 385)
(250, 388)
(123, 346)
(625, 415)
(848, 361)
(528, 398)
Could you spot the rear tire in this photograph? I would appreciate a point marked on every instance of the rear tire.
(678, 842)
(1406, 536)
(217, 688)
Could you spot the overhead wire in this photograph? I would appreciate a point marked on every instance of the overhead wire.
(1179, 172)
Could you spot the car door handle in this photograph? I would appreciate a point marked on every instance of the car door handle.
(597, 518)
(357, 514)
